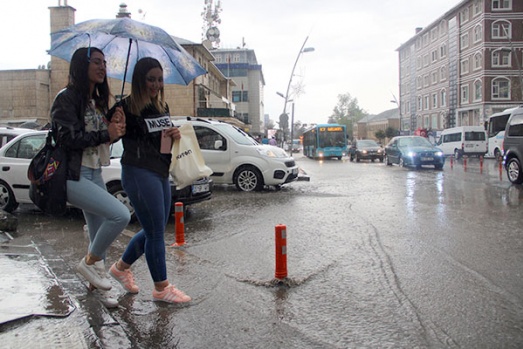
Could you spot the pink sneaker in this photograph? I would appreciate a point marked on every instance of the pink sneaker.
(171, 294)
(125, 278)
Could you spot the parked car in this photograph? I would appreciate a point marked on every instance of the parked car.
(463, 140)
(296, 146)
(16, 155)
(366, 149)
(413, 151)
(236, 158)
(513, 147)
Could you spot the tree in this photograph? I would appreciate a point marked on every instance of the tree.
(347, 112)
(391, 132)
(380, 135)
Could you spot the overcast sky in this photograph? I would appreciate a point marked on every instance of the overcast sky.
(355, 41)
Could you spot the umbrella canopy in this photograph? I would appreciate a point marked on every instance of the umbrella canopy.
(124, 41)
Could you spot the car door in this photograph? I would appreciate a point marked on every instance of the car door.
(393, 152)
(215, 151)
(15, 158)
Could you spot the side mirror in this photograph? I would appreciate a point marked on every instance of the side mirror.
(218, 144)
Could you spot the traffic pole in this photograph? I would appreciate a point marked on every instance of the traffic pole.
(280, 233)
(179, 225)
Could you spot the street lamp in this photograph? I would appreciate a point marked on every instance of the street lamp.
(395, 101)
(303, 49)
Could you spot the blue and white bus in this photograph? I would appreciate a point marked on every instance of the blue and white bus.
(325, 141)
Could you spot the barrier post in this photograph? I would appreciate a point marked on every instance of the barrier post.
(280, 233)
(500, 166)
(452, 161)
(481, 164)
(179, 225)
(465, 163)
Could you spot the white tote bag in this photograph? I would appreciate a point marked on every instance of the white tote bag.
(187, 164)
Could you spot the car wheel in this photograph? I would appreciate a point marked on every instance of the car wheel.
(7, 198)
(381, 159)
(357, 158)
(116, 190)
(248, 178)
(497, 154)
(402, 163)
(387, 161)
(351, 157)
(514, 171)
(438, 167)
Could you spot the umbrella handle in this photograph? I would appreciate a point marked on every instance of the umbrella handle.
(126, 65)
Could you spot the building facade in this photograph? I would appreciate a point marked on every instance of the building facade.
(27, 95)
(463, 67)
(242, 66)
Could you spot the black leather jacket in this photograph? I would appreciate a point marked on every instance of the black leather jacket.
(67, 119)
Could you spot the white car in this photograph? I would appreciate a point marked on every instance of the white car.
(17, 153)
(236, 158)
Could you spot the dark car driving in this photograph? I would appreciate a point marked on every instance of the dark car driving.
(415, 151)
(366, 149)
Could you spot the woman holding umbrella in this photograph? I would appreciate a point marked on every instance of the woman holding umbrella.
(145, 177)
(78, 117)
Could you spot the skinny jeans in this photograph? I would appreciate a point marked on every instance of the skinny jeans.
(150, 194)
(106, 217)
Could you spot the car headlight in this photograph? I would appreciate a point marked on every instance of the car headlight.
(364, 152)
(272, 152)
(380, 151)
(411, 154)
(438, 153)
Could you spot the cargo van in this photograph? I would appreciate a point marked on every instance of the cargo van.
(463, 140)
(513, 146)
(237, 158)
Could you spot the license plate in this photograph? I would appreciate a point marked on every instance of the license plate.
(427, 159)
(294, 171)
(200, 188)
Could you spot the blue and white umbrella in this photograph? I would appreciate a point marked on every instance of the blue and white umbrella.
(124, 41)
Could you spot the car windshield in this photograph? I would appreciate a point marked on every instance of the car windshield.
(368, 143)
(414, 142)
(236, 134)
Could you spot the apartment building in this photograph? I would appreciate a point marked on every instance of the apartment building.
(241, 65)
(463, 67)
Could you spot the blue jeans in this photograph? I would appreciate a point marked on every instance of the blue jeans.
(150, 195)
(106, 217)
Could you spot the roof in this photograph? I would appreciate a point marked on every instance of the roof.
(386, 115)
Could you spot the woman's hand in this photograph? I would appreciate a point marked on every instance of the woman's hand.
(116, 127)
(173, 132)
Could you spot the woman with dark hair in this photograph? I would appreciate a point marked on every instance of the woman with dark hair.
(80, 127)
(145, 178)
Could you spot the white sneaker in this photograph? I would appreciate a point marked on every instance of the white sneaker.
(108, 300)
(91, 274)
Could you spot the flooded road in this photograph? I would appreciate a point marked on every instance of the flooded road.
(377, 257)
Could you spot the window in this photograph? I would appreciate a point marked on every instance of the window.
(443, 73)
(435, 77)
(219, 59)
(236, 58)
(418, 62)
(478, 33)
(419, 82)
(464, 41)
(434, 34)
(425, 60)
(434, 100)
(500, 5)
(240, 96)
(500, 88)
(207, 138)
(420, 103)
(434, 55)
(425, 39)
(478, 61)
(464, 93)
(464, 15)
(464, 66)
(442, 28)
(477, 7)
(443, 97)
(426, 80)
(245, 96)
(434, 123)
(426, 102)
(443, 50)
(501, 30)
(501, 58)
(478, 90)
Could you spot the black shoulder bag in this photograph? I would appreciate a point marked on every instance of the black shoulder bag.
(48, 175)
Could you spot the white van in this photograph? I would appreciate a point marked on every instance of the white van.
(236, 158)
(463, 140)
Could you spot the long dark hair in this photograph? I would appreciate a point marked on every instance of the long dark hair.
(79, 80)
(139, 98)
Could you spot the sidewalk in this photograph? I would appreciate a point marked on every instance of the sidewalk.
(43, 303)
